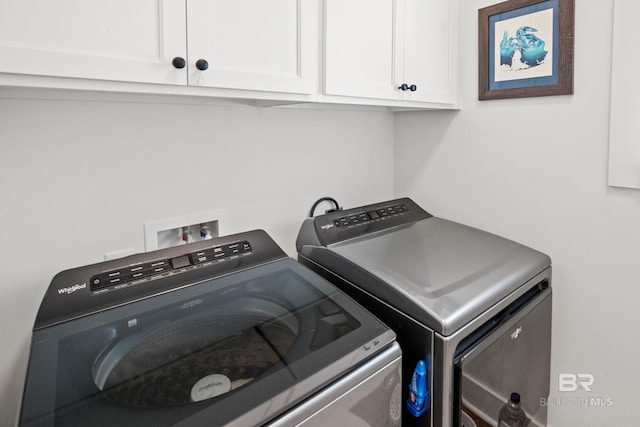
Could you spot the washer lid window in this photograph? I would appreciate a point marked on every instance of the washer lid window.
(197, 357)
(243, 347)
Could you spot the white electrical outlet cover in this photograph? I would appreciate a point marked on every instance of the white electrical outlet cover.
(118, 254)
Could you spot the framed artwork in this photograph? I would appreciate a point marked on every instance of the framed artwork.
(525, 49)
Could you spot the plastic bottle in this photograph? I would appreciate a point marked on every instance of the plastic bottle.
(511, 414)
(418, 393)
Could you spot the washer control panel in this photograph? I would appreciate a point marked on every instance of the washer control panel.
(91, 288)
(159, 268)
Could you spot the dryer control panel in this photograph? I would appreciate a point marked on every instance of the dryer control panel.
(374, 215)
(342, 225)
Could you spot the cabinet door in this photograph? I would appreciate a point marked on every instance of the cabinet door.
(374, 47)
(115, 40)
(624, 144)
(363, 54)
(429, 47)
(252, 44)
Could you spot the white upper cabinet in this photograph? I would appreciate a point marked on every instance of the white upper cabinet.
(360, 41)
(391, 49)
(252, 44)
(624, 143)
(388, 53)
(247, 44)
(430, 52)
(120, 40)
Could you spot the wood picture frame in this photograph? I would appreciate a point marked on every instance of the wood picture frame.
(525, 49)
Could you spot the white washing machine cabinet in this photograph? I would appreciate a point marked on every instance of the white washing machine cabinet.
(228, 331)
(473, 306)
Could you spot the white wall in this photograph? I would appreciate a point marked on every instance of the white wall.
(78, 178)
(535, 170)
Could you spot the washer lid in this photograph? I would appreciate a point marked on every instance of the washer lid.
(440, 272)
(239, 349)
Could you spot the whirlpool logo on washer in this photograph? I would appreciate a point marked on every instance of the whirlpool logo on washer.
(71, 289)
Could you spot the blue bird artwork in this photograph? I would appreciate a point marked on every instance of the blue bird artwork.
(529, 45)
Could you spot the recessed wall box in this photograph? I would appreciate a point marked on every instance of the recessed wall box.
(180, 230)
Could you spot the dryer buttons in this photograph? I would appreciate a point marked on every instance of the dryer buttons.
(366, 217)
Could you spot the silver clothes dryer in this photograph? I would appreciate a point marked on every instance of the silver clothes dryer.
(474, 307)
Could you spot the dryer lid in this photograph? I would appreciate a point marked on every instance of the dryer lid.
(442, 273)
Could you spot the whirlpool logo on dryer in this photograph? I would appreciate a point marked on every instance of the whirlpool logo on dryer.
(71, 289)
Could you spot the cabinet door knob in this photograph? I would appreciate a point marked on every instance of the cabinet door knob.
(413, 88)
(202, 64)
(404, 86)
(179, 62)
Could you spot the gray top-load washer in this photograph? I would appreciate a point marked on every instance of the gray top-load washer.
(227, 331)
(443, 287)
